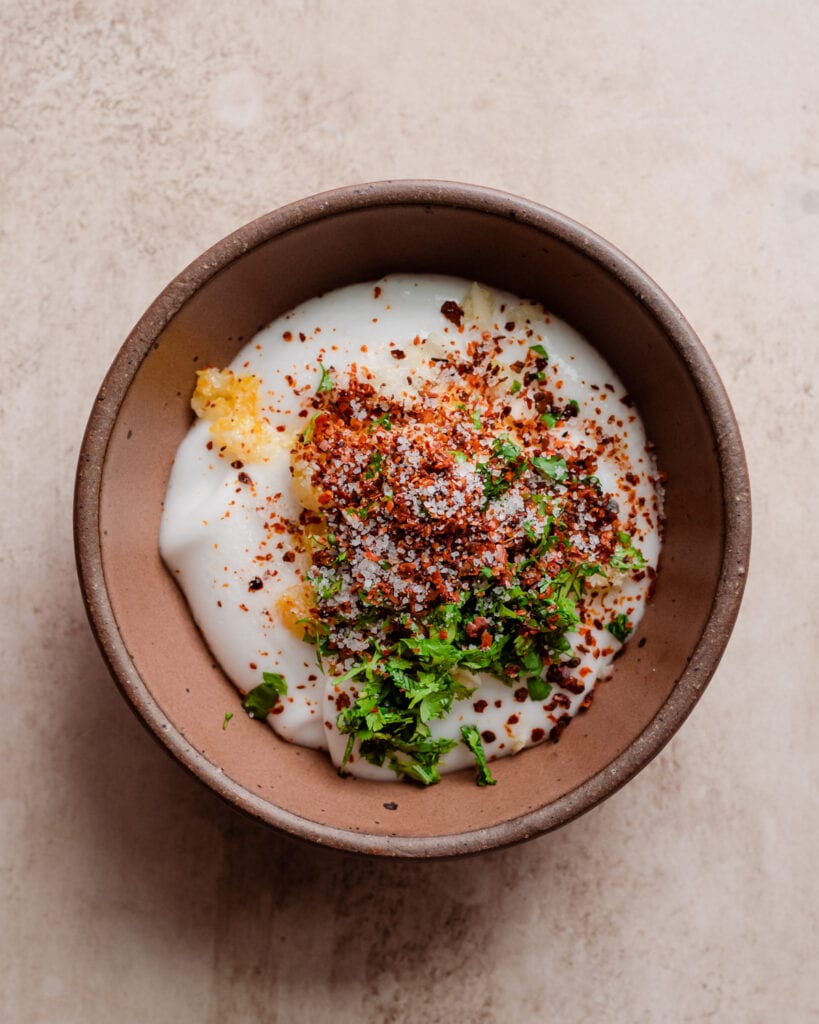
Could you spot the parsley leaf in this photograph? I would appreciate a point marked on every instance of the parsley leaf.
(620, 628)
(310, 429)
(539, 689)
(380, 421)
(326, 383)
(472, 738)
(259, 702)
(374, 466)
(227, 718)
(626, 557)
(552, 466)
(539, 350)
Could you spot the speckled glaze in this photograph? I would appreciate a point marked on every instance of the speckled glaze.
(141, 622)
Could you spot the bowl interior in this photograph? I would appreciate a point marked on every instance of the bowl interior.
(173, 680)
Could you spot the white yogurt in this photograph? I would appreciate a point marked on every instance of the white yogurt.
(217, 534)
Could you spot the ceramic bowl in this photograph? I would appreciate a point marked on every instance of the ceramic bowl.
(141, 621)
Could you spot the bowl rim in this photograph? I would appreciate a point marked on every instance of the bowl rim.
(709, 388)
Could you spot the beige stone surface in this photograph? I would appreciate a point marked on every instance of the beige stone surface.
(134, 136)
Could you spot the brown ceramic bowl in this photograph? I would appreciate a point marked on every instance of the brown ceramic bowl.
(140, 618)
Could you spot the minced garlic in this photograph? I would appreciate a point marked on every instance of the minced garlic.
(232, 405)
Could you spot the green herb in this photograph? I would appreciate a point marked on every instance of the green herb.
(477, 423)
(548, 419)
(374, 466)
(551, 466)
(539, 689)
(626, 557)
(380, 421)
(403, 686)
(310, 429)
(261, 699)
(472, 738)
(459, 457)
(326, 383)
(515, 387)
(228, 716)
(505, 466)
(539, 350)
(620, 628)
(327, 585)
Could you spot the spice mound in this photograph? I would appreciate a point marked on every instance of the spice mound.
(461, 532)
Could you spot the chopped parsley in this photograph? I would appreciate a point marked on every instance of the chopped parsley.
(227, 718)
(309, 431)
(326, 383)
(626, 557)
(375, 465)
(620, 628)
(539, 350)
(381, 421)
(260, 701)
(506, 465)
(552, 466)
(472, 738)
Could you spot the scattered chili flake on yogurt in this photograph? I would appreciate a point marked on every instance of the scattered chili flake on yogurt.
(417, 535)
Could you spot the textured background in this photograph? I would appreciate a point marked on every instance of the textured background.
(134, 136)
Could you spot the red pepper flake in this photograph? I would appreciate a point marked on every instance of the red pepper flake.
(255, 584)
(289, 556)
(453, 312)
(513, 720)
(287, 336)
(521, 694)
(377, 292)
(488, 736)
(537, 735)
(237, 464)
(480, 706)
(245, 479)
(558, 728)
(397, 353)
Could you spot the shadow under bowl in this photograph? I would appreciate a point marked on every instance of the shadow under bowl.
(142, 623)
